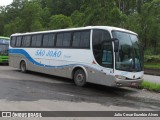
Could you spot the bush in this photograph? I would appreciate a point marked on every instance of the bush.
(60, 22)
(152, 58)
(150, 86)
(149, 51)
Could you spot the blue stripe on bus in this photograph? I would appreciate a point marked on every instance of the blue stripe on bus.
(23, 52)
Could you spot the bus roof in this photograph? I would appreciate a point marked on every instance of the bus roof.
(110, 28)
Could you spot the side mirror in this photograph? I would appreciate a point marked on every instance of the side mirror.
(116, 44)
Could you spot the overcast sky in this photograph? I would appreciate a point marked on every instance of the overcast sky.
(5, 2)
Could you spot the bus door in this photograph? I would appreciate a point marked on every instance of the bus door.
(107, 57)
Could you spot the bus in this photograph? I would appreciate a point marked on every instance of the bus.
(102, 55)
(4, 46)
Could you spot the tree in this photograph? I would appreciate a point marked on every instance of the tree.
(133, 22)
(141, 16)
(2, 19)
(46, 17)
(60, 21)
(14, 26)
(150, 24)
(14, 10)
(116, 17)
(31, 16)
(65, 7)
(77, 18)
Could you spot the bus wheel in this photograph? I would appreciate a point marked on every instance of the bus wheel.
(23, 66)
(80, 77)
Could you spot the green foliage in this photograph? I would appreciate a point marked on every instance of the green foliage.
(46, 17)
(31, 16)
(152, 61)
(13, 27)
(140, 16)
(152, 58)
(60, 22)
(133, 22)
(152, 65)
(65, 7)
(77, 18)
(116, 17)
(150, 86)
(150, 24)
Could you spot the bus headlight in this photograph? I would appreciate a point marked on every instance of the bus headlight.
(120, 77)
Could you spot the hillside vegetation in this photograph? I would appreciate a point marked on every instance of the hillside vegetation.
(140, 16)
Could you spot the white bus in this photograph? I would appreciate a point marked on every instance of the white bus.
(96, 54)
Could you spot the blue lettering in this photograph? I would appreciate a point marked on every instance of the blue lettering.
(59, 54)
(53, 53)
(40, 53)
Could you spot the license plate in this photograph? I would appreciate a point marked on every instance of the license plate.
(133, 84)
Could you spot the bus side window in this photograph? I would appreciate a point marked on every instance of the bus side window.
(85, 39)
(36, 40)
(59, 42)
(13, 41)
(48, 40)
(45, 40)
(26, 41)
(67, 39)
(81, 39)
(76, 39)
(18, 41)
(51, 40)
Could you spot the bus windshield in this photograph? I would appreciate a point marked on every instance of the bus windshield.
(3, 49)
(129, 56)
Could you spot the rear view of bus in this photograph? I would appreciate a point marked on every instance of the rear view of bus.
(4, 44)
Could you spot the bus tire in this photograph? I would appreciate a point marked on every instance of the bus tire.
(23, 67)
(80, 78)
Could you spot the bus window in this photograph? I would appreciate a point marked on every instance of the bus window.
(81, 39)
(59, 41)
(51, 40)
(18, 41)
(85, 39)
(36, 40)
(48, 40)
(66, 39)
(26, 41)
(13, 41)
(99, 36)
(45, 40)
(76, 39)
(63, 39)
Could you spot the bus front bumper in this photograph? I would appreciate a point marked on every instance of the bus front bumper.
(128, 83)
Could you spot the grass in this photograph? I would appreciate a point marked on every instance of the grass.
(152, 65)
(150, 86)
(152, 61)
